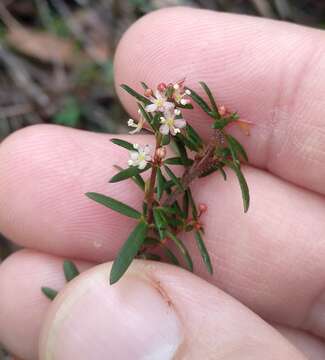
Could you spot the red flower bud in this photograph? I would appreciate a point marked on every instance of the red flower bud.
(162, 87)
(148, 92)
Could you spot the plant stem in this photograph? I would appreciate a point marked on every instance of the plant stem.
(152, 182)
(200, 165)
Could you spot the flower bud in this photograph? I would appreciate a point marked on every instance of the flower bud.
(197, 226)
(203, 208)
(148, 92)
(222, 110)
(161, 153)
(162, 87)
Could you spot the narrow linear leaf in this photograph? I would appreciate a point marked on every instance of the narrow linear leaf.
(128, 251)
(181, 149)
(188, 142)
(182, 248)
(203, 251)
(160, 222)
(135, 94)
(144, 85)
(146, 115)
(70, 270)
(160, 183)
(199, 100)
(170, 255)
(192, 203)
(243, 185)
(186, 106)
(114, 205)
(124, 144)
(211, 98)
(237, 147)
(186, 204)
(165, 140)
(174, 178)
(178, 161)
(128, 173)
(194, 135)
(137, 179)
(223, 173)
(49, 293)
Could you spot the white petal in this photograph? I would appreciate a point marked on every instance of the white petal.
(131, 122)
(180, 123)
(142, 164)
(130, 163)
(151, 107)
(147, 149)
(168, 105)
(136, 146)
(136, 130)
(164, 129)
(184, 101)
(187, 92)
(176, 86)
(134, 155)
(177, 112)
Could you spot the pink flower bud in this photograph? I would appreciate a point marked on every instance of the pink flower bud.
(162, 87)
(148, 93)
(203, 208)
(161, 152)
(222, 110)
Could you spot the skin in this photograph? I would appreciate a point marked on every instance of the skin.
(266, 297)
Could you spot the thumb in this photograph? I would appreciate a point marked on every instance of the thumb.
(156, 311)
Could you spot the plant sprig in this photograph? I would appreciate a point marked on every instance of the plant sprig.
(168, 208)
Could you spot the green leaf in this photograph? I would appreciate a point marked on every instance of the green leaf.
(177, 161)
(223, 173)
(49, 293)
(236, 147)
(170, 255)
(70, 270)
(243, 185)
(188, 142)
(199, 100)
(114, 205)
(211, 98)
(181, 149)
(192, 203)
(186, 106)
(203, 251)
(124, 144)
(174, 178)
(144, 85)
(128, 173)
(160, 222)
(148, 117)
(194, 136)
(186, 204)
(137, 178)
(182, 248)
(222, 122)
(165, 140)
(128, 251)
(136, 94)
(160, 183)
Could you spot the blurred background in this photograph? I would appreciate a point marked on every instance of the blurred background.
(56, 58)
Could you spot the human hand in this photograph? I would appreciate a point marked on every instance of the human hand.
(269, 263)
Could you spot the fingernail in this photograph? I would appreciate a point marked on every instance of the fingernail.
(129, 320)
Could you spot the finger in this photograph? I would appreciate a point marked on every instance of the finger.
(157, 314)
(154, 312)
(311, 346)
(256, 67)
(272, 258)
(22, 304)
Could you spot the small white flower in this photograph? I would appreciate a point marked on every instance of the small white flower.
(179, 94)
(177, 112)
(140, 157)
(159, 103)
(137, 126)
(171, 125)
